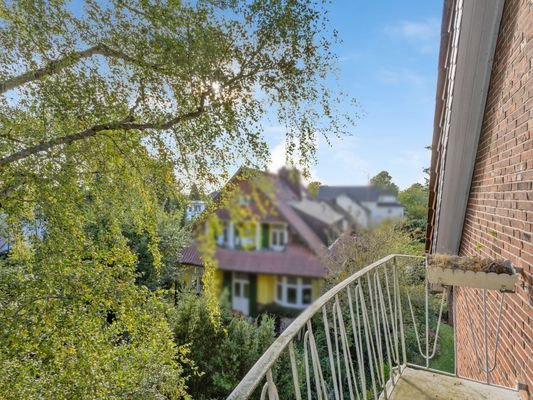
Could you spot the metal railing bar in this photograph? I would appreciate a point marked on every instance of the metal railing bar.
(357, 343)
(359, 336)
(330, 353)
(248, 384)
(426, 301)
(377, 351)
(384, 321)
(316, 363)
(352, 371)
(294, 369)
(306, 361)
(497, 335)
(337, 351)
(400, 313)
(414, 325)
(367, 338)
(486, 369)
(423, 368)
(272, 391)
(394, 318)
(345, 353)
(444, 296)
(426, 355)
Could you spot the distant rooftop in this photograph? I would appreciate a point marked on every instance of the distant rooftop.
(357, 193)
(319, 210)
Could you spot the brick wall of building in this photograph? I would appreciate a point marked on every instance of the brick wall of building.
(499, 217)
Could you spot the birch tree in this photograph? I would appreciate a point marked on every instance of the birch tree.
(106, 110)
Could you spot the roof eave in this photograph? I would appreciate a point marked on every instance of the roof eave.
(458, 122)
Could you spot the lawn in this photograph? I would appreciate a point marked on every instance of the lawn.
(444, 361)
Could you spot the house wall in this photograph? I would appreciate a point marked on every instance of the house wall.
(317, 287)
(266, 285)
(219, 280)
(357, 212)
(384, 212)
(499, 215)
(380, 213)
(266, 288)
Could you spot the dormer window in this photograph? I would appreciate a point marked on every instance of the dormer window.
(387, 199)
(223, 238)
(278, 239)
(245, 236)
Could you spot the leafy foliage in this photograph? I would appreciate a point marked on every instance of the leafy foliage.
(190, 80)
(74, 323)
(103, 104)
(314, 188)
(172, 236)
(223, 355)
(415, 200)
(384, 180)
(353, 252)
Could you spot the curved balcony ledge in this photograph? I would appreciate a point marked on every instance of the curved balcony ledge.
(351, 343)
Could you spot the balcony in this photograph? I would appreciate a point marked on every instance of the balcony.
(375, 335)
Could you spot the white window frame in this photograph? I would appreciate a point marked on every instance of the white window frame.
(300, 286)
(242, 242)
(196, 280)
(275, 230)
(223, 240)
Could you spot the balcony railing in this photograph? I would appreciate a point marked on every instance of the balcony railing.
(352, 343)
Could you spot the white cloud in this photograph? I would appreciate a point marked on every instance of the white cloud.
(277, 157)
(424, 34)
(343, 162)
(427, 29)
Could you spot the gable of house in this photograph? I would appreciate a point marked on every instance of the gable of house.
(256, 271)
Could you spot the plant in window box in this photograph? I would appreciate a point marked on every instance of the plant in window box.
(474, 272)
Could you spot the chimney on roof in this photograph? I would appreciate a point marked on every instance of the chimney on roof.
(292, 178)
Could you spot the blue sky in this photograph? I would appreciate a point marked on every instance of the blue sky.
(388, 62)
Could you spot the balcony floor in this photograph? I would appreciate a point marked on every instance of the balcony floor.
(423, 385)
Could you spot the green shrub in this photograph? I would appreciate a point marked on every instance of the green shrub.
(222, 356)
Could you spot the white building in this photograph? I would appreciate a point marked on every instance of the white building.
(367, 205)
(194, 209)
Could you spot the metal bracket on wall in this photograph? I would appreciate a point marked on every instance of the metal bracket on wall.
(486, 368)
(522, 386)
(524, 285)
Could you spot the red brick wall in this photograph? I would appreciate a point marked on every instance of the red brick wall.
(499, 217)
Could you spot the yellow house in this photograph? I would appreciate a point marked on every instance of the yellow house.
(278, 264)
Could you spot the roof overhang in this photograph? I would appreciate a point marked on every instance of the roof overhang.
(470, 31)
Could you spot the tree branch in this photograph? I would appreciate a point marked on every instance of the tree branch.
(126, 124)
(67, 61)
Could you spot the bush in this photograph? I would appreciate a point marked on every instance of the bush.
(222, 355)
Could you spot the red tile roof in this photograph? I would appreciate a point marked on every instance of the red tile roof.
(295, 260)
(283, 194)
